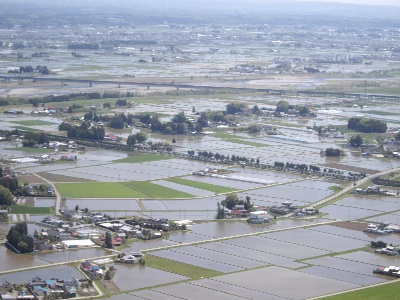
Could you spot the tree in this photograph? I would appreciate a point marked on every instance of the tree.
(256, 109)
(230, 200)
(333, 152)
(282, 106)
(6, 198)
(397, 136)
(179, 118)
(220, 212)
(235, 108)
(108, 242)
(356, 141)
(19, 239)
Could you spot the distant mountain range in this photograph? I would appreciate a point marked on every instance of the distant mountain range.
(252, 10)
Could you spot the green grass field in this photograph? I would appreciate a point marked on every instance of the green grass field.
(380, 113)
(24, 128)
(201, 185)
(98, 190)
(26, 209)
(140, 158)
(32, 150)
(32, 123)
(180, 268)
(156, 191)
(386, 291)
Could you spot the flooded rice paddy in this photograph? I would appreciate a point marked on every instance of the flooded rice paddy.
(258, 261)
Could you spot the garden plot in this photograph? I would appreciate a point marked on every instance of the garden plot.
(275, 280)
(184, 188)
(346, 265)
(194, 292)
(105, 204)
(371, 258)
(277, 247)
(143, 277)
(198, 252)
(342, 275)
(196, 261)
(314, 239)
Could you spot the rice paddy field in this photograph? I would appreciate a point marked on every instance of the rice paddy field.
(318, 256)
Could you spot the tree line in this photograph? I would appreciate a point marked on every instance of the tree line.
(367, 125)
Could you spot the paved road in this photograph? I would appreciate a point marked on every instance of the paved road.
(354, 185)
(58, 196)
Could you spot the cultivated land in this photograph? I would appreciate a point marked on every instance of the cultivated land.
(288, 258)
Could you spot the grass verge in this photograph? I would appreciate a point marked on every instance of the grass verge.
(202, 185)
(385, 291)
(33, 123)
(180, 268)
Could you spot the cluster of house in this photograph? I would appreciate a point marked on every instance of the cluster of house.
(129, 228)
(38, 289)
(129, 257)
(258, 217)
(91, 269)
(213, 172)
(382, 228)
(374, 190)
(65, 235)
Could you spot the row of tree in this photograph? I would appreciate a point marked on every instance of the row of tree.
(83, 131)
(33, 138)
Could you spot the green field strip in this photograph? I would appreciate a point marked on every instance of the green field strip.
(98, 190)
(153, 190)
(382, 291)
(141, 158)
(24, 128)
(32, 210)
(32, 150)
(33, 123)
(201, 185)
(179, 268)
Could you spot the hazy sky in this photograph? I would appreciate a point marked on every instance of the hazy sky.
(369, 2)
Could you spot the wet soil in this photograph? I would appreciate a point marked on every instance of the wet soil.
(350, 225)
